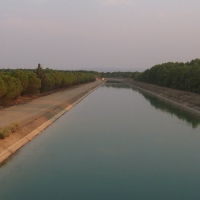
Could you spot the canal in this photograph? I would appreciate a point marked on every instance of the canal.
(118, 143)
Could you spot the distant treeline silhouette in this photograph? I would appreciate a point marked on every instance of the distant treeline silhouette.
(118, 74)
(182, 76)
(14, 83)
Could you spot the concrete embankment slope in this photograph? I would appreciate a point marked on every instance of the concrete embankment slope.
(187, 100)
(38, 114)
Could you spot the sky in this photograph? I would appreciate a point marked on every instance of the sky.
(102, 35)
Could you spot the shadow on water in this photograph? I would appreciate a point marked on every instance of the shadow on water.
(162, 105)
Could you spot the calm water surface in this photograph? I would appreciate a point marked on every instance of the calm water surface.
(117, 144)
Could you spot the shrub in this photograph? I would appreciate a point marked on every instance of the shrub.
(6, 131)
(2, 135)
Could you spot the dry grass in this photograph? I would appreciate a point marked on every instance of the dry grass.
(6, 131)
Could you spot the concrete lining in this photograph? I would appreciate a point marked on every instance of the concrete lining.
(35, 127)
(172, 100)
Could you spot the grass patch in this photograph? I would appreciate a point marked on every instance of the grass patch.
(7, 130)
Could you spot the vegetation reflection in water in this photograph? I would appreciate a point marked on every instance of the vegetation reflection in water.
(162, 105)
(113, 145)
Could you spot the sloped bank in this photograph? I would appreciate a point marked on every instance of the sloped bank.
(187, 100)
(34, 128)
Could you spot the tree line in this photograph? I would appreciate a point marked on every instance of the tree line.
(118, 74)
(14, 83)
(179, 75)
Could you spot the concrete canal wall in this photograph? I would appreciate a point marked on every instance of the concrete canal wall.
(29, 131)
(187, 100)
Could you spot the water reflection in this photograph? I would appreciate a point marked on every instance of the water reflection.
(117, 85)
(173, 110)
(157, 103)
(115, 151)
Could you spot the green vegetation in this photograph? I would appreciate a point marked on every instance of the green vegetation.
(117, 74)
(6, 131)
(14, 83)
(182, 76)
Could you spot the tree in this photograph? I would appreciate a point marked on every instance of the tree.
(182, 76)
(13, 86)
(48, 83)
(34, 83)
(3, 88)
(23, 78)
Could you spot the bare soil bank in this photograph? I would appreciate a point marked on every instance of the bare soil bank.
(187, 100)
(38, 114)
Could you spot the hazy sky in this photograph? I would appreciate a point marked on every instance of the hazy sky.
(97, 34)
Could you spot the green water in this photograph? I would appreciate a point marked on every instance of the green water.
(117, 144)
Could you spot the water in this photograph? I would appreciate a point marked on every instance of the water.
(116, 144)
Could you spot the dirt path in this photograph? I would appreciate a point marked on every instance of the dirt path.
(24, 113)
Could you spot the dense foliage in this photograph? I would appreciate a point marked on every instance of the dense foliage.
(14, 83)
(182, 76)
(116, 74)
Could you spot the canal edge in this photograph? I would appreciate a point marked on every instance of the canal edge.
(23, 141)
(194, 111)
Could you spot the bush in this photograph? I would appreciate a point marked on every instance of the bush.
(6, 131)
(2, 134)
(13, 127)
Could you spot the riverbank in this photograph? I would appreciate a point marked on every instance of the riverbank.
(187, 100)
(38, 114)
